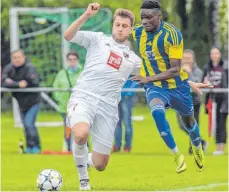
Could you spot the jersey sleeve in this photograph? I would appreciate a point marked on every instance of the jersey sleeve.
(86, 38)
(137, 67)
(176, 47)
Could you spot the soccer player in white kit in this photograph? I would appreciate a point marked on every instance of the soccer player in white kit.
(93, 106)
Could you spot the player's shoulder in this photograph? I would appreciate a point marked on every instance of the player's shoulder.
(175, 36)
(170, 27)
(93, 34)
(100, 34)
(103, 37)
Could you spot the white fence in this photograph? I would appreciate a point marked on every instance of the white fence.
(54, 105)
(50, 89)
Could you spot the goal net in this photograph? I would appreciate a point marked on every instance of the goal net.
(39, 32)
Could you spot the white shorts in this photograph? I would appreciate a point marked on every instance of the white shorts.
(101, 117)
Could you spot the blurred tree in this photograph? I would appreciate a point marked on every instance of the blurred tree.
(174, 11)
(181, 11)
(211, 10)
(223, 25)
(5, 53)
(168, 12)
(198, 32)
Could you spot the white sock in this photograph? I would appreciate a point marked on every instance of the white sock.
(80, 153)
(90, 162)
(175, 150)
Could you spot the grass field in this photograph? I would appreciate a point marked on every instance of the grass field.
(149, 166)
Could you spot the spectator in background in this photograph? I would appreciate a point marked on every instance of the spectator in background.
(217, 75)
(125, 114)
(21, 74)
(66, 78)
(195, 74)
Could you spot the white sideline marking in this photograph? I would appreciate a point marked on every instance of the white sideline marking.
(209, 186)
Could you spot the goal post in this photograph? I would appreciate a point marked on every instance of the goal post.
(39, 32)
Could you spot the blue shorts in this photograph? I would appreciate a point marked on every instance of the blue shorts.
(178, 98)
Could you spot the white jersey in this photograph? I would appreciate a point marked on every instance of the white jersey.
(107, 67)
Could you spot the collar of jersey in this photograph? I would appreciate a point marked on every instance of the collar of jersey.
(111, 42)
(157, 31)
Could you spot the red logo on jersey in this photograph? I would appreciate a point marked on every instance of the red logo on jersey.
(114, 60)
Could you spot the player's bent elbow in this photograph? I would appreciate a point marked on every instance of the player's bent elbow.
(176, 74)
(176, 71)
(67, 36)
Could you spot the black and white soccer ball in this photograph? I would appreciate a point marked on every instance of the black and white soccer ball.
(49, 180)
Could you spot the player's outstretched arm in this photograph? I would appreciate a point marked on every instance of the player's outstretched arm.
(92, 9)
(197, 86)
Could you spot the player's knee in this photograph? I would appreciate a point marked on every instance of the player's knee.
(80, 136)
(188, 122)
(100, 166)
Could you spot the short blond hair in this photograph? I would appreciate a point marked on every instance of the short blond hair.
(125, 13)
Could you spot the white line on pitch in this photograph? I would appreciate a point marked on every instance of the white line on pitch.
(209, 186)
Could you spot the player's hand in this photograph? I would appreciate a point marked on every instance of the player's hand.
(23, 84)
(197, 86)
(187, 68)
(8, 80)
(140, 79)
(92, 9)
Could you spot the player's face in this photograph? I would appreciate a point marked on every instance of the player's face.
(121, 28)
(18, 59)
(215, 55)
(187, 59)
(150, 19)
(72, 60)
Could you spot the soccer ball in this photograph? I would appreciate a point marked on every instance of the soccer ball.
(49, 180)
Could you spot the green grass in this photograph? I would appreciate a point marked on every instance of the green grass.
(149, 166)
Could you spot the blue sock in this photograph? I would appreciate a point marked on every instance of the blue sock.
(194, 134)
(158, 113)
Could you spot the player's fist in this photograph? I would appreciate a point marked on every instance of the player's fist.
(92, 9)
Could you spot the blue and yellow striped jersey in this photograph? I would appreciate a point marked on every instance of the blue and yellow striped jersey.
(156, 49)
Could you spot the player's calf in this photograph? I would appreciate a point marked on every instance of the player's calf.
(194, 134)
(192, 128)
(158, 113)
(80, 133)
